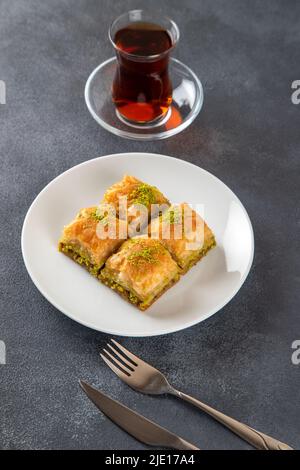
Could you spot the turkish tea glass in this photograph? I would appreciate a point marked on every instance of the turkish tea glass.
(142, 89)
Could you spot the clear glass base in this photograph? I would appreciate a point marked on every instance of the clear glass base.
(143, 125)
(187, 103)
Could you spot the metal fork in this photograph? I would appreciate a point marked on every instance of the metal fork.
(146, 379)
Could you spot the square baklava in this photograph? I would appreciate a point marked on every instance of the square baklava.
(92, 237)
(139, 268)
(184, 234)
(135, 201)
(140, 271)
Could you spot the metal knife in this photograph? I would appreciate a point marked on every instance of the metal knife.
(135, 424)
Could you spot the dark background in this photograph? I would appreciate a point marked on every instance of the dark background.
(247, 55)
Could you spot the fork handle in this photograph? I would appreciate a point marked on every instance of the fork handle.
(257, 439)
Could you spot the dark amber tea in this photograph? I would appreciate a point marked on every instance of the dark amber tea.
(142, 90)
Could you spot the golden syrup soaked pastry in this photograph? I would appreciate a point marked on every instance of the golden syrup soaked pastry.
(138, 194)
(140, 271)
(184, 233)
(82, 242)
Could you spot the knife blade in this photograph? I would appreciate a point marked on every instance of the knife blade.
(133, 423)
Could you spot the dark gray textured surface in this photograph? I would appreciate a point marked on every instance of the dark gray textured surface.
(247, 55)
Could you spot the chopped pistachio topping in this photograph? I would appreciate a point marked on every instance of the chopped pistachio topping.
(144, 194)
(100, 216)
(172, 216)
(97, 216)
(145, 255)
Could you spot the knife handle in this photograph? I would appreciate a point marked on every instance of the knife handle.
(257, 439)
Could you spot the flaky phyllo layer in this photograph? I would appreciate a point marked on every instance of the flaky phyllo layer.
(139, 268)
(80, 239)
(184, 233)
(135, 201)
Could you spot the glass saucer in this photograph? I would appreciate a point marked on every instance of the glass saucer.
(187, 102)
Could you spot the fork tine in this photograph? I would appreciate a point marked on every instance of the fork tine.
(128, 364)
(119, 364)
(131, 356)
(120, 373)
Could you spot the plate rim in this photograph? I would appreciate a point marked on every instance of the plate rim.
(53, 302)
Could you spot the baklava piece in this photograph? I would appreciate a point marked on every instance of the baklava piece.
(141, 271)
(128, 195)
(184, 233)
(92, 237)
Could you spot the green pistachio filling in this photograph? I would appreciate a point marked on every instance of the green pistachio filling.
(115, 286)
(195, 257)
(130, 295)
(80, 258)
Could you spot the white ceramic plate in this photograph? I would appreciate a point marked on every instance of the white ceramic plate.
(208, 286)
